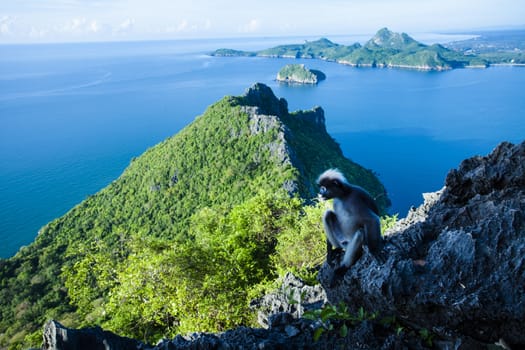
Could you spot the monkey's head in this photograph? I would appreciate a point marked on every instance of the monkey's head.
(332, 184)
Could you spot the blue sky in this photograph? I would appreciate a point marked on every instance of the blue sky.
(96, 20)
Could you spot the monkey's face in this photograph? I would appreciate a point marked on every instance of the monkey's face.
(330, 188)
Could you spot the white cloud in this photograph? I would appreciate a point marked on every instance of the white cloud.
(252, 26)
(5, 24)
(125, 26)
(37, 33)
(73, 25)
(71, 20)
(84, 28)
(94, 27)
(182, 26)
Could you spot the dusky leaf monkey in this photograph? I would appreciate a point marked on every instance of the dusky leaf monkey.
(354, 220)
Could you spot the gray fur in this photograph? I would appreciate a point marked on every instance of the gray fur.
(354, 220)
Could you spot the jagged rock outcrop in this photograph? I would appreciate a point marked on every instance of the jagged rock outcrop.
(284, 332)
(455, 265)
(315, 116)
(58, 337)
(294, 297)
(261, 96)
(269, 114)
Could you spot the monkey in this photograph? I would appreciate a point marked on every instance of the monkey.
(353, 222)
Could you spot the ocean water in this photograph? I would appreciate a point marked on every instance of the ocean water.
(73, 115)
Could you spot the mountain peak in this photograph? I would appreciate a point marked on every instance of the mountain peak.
(386, 38)
(323, 41)
(261, 96)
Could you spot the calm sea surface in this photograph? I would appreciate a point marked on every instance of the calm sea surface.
(73, 115)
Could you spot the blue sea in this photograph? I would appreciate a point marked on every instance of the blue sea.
(72, 116)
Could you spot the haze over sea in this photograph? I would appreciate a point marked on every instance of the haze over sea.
(73, 115)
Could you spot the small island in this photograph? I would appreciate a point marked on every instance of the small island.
(299, 74)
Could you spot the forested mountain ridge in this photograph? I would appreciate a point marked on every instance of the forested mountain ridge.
(384, 49)
(181, 240)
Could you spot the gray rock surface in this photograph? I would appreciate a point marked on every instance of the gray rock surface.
(58, 337)
(456, 264)
(294, 297)
(262, 96)
(284, 332)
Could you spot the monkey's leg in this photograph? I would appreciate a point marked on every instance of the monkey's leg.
(351, 251)
(332, 255)
(374, 240)
(373, 237)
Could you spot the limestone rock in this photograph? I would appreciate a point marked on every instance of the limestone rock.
(58, 337)
(294, 297)
(455, 265)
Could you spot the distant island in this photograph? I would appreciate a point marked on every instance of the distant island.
(299, 74)
(386, 49)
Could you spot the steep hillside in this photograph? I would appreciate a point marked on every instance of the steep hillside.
(170, 218)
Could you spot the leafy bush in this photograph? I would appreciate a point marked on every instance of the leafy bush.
(301, 247)
(207, 283)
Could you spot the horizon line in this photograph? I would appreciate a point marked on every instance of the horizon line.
(261, 36)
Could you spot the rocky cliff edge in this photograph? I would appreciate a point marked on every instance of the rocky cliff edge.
(452, 276)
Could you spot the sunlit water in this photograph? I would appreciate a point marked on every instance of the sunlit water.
(72, 117)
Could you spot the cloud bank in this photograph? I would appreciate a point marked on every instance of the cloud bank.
(81, 20)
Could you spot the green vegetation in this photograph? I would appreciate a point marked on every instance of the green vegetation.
(190, 232)
(337, 318)
(231, 52)
(298, 73)
(386, 49)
